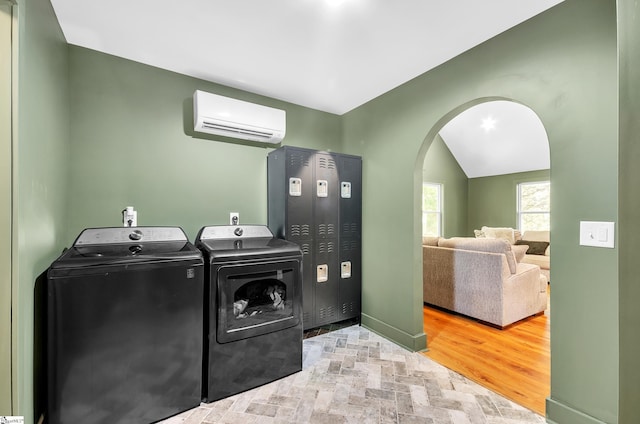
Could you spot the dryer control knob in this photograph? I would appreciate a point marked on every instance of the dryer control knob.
(135, 235)
(238, 231)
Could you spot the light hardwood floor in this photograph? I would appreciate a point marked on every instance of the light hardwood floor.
(514, 362)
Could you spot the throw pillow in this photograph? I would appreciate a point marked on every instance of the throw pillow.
(517, 235)
(519, 251)
(535, 247)
(504, 233)
(430, 241)
(479, 233)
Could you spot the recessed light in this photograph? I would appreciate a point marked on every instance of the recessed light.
(334, 3)
(488, 124)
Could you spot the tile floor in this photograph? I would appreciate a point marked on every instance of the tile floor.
(352, 375)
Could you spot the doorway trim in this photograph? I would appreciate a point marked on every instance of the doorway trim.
(8, 127)
(418, 173)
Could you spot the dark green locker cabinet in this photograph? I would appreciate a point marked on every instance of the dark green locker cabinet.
(315, 200)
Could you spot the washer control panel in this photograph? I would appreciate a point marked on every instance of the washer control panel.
(117, 235)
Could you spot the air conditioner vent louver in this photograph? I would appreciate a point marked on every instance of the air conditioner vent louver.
(229, 117)
(244, 131)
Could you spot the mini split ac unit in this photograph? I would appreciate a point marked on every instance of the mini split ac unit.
(229, 117)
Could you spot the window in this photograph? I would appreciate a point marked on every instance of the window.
(431, 209)
(534, 206)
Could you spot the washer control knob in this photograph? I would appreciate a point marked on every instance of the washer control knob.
(135, 235)
(238, 231)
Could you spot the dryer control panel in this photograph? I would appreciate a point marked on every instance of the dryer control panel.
(222, 232)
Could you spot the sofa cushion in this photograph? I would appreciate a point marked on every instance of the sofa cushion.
(482, 245)
(535, 247)
(543, 262)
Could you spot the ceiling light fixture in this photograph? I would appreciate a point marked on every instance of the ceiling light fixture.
(488, 124)
(334, 3)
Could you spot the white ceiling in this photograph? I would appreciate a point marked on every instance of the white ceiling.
(330, 55)
(496, 138)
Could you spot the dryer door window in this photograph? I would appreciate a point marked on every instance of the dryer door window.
(257, 299)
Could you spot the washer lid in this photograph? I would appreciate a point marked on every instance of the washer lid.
(115, 235)
(121, 245)
(132, 253)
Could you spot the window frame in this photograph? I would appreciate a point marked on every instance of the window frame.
(438, 213)
(520, 213)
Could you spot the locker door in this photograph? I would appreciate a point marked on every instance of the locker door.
(299, 194)
(326, 280)
(308, 285)
(350, 173)
(326, 196)
(350, 286)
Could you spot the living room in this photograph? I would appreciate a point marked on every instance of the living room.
(478, 196)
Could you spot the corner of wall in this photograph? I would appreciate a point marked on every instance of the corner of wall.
(412, 342)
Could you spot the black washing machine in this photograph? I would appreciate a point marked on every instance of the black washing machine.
(124, 327)
(253, 308)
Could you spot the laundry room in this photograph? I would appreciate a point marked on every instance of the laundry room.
(133, 143)
(93, 133)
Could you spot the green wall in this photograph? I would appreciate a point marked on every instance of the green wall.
(629, 221)
(440, 166)
(493, 200)
(132, 144)
(41, 161)
(562, 64)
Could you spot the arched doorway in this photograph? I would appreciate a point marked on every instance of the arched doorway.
(479, 155)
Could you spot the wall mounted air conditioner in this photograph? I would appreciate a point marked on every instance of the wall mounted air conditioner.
(229, 117)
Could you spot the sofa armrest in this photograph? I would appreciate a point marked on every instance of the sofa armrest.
(522, 294)
(468, 282)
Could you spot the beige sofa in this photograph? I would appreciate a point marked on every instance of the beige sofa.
(480, 278)
(543, 261)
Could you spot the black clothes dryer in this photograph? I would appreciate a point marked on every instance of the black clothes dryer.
(253, 308)
(124, 327)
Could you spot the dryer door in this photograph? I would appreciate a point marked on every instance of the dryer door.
(257, 299)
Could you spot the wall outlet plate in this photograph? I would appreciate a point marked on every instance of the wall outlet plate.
(597, 234)
(234, 218)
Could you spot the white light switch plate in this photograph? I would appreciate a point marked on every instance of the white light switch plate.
(597, 234)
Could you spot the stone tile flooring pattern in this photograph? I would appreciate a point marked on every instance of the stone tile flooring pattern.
(355, 376)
